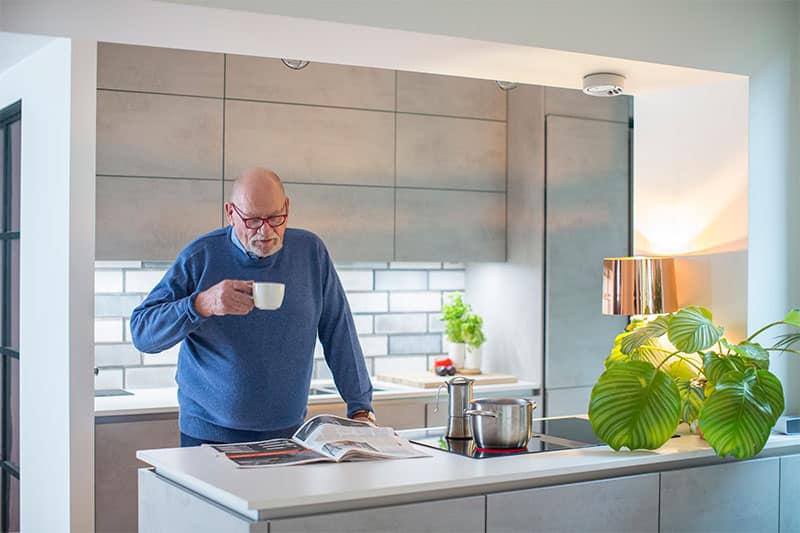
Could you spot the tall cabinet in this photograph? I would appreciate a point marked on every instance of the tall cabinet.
(568, 205)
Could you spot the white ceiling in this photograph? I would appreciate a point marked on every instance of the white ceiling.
(15, 47)
(190, 27)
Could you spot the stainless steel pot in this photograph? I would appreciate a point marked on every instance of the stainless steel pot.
(501, 422)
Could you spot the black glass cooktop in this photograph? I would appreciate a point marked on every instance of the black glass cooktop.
(557, 434)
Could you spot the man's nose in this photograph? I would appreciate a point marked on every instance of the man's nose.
(266, 229)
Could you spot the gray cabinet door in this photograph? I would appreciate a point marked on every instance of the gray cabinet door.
(587, 219)
(736, 496)
(463, 515)
(116, 441)
(620, 504)
(790, 494)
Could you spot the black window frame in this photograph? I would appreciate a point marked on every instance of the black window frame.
(8, 116)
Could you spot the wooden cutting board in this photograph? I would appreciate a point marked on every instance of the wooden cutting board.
(429, 380)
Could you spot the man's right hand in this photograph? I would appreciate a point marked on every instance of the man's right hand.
(228, 297)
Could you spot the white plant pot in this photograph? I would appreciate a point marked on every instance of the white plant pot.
(457, 353)
(472, 358)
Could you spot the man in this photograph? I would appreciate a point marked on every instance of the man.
(243, 373)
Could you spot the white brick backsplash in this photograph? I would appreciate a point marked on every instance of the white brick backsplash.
(322, 371)
(401, 280)
(118, 264)
(363, 324)
(167, 357)
(452, 280)
(400, 323)
(407, 344)
(356, 280)
(126, 329)
(414, 266)
(108, 378)
(107, 330)
(368, 302)
(116, 355)
(415, 301)
(107, 281)
(150, 377)
(318, 351)
(142, 280)
(434, 324)
(359, 266)
(115, 304)
(392, 364)
(374, 345)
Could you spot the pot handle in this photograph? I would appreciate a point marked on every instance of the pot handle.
(478, 412)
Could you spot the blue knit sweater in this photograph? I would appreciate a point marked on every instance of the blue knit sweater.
(247, 377)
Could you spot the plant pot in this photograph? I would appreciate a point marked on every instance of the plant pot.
(472, 358)
(457, 353)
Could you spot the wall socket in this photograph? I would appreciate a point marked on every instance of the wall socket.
(790, 425)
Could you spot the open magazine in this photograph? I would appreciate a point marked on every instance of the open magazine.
(322, 438)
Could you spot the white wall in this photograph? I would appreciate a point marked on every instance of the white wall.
(691, 193)
(56, 263)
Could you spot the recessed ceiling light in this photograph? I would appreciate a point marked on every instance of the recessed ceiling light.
(603, 84)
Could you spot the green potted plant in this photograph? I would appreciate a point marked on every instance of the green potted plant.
(679, 367)
(472, 333)
(464, 331)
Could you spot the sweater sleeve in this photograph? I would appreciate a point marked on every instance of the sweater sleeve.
(167, 315)
(337, 333)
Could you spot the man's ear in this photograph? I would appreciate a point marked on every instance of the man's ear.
(228, 212)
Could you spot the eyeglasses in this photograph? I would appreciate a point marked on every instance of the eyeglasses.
(273, 221)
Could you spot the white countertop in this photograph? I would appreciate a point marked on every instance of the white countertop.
(326, 487)
(155, 401)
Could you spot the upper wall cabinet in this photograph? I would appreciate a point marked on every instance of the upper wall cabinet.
(431, 94)
(310, 144)
(451, 153)
(141, 134)
(160, 70)
(321, 84)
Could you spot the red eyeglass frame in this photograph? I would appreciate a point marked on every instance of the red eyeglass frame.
(263, 220)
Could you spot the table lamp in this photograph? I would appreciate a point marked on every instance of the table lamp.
(639, 286)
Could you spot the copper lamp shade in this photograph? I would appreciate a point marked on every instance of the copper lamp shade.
(639, 286)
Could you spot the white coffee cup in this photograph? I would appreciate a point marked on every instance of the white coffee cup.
(268, 295)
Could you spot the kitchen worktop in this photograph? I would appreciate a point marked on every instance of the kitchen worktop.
(165, 400)
(268, 493)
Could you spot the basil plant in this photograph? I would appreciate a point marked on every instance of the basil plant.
(679, 368)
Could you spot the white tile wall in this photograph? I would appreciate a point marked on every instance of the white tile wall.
(107, 330)
(142, 280)
(356, 280)
(415, 301)
(107, 281)
(396, 309)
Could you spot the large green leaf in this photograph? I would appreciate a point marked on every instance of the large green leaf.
(750, 350)
(640, 336)
(691, 329)
(738, 417)
(692, 397)
(616, 354)
(634, 405)
(716, 365)
(774, 391)
(793, 318)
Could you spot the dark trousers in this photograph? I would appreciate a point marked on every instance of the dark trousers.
(188, 440)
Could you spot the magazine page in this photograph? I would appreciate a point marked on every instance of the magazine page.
(274, 452)
(343, 438)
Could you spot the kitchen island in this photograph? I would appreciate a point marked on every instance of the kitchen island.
(672, 488)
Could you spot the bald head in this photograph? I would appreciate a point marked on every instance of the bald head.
(258, 193)
(256, 183)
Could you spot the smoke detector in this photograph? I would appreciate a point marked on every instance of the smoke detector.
(603, 84)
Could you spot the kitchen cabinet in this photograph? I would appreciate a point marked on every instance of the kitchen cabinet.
(587, 218)
(117, 438)
(617, 504)
(152, 219)
(790, 494)
(383, 165)
(736, 496)
(464, 515)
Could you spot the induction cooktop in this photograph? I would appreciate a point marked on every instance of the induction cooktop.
(557, 434)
